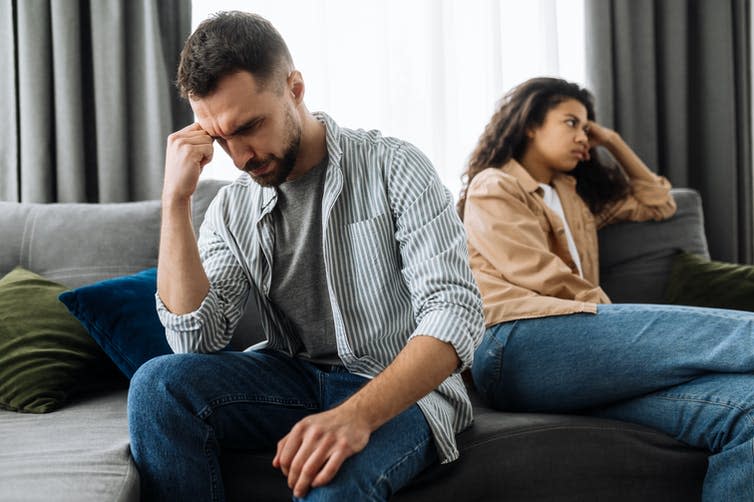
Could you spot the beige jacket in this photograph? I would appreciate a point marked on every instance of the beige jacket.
(518, 249)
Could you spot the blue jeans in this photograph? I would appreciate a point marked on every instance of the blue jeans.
(183, 408)
(682, 370)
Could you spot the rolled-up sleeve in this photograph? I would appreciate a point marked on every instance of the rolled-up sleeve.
(648, 200)
(444, 295)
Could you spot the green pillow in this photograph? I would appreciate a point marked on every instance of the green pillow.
(697, 281)
(45, 353)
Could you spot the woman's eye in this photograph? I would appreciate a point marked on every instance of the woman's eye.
(571, 122)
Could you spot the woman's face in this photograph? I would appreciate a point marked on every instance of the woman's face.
(561, 142)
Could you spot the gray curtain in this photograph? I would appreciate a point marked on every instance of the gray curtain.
(87, 97)
(674, 78)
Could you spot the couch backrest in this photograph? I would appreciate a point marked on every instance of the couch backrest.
(636, 258)
(77, 244)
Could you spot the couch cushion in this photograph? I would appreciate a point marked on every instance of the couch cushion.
(120, 315)
(636, 258)
(79, 453)
(525, 457)
(45, 354)
(697, 281)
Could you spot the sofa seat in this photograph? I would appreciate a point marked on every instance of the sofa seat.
(79, 453)
(526, 457)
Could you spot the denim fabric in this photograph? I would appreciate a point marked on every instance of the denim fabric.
(184, 408)
(682, 370)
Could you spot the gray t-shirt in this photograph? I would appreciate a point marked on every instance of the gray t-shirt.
(299, 286)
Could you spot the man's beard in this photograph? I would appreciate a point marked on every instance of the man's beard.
(284, 166)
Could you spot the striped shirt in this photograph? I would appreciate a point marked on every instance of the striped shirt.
(395, 258)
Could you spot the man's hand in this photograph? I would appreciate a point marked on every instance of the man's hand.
(181, 280)
(312, 453)
(188, 151)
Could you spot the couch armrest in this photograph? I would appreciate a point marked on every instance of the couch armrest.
(636, 258)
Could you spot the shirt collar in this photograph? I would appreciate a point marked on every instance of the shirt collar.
(515, 169)
(334, 153)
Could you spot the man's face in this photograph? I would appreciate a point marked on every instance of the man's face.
(258, 128)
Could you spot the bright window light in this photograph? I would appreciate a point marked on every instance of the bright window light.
(427, 71)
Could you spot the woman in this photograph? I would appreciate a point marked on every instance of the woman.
(536, 192)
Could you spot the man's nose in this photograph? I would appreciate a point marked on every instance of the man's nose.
(240, 152)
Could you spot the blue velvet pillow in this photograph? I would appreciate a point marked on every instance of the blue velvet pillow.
(120, 315)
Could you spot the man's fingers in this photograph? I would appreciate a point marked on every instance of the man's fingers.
(287, 448)
(192, 127)
(330, 469)
(189, 138)
(276, 458)
(313, 448)
(309, 470)
(209, 151)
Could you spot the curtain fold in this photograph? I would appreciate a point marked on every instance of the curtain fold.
(89, 97)
(674, 78)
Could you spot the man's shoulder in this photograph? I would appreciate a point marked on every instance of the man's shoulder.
(371, 139)
(358, 141)
(241, 193)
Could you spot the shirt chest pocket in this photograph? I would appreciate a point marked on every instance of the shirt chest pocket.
(374, 254)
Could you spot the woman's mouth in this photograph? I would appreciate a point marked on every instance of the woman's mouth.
(580, 154)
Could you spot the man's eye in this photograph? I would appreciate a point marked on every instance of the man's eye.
(252, 127)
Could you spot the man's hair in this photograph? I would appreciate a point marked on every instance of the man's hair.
(229, 42)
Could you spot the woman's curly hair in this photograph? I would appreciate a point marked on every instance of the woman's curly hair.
(599, 180)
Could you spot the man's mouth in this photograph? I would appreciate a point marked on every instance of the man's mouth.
(258, 168)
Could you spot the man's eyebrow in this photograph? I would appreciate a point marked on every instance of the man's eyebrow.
(246, 125)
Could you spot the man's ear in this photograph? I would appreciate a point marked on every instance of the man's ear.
(296, 86)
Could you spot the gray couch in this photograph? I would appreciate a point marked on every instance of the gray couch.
(81, 452)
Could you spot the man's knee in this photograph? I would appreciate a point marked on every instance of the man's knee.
(156, 381)
(343, 488)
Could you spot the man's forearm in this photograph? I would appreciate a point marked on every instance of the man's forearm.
(181, 280)
(312, 453)
(423, 364)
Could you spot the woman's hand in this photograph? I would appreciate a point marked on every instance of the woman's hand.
(600, 135)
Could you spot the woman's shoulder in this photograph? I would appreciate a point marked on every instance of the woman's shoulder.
(497, 181)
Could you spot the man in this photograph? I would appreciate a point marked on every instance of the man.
(352, 251)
